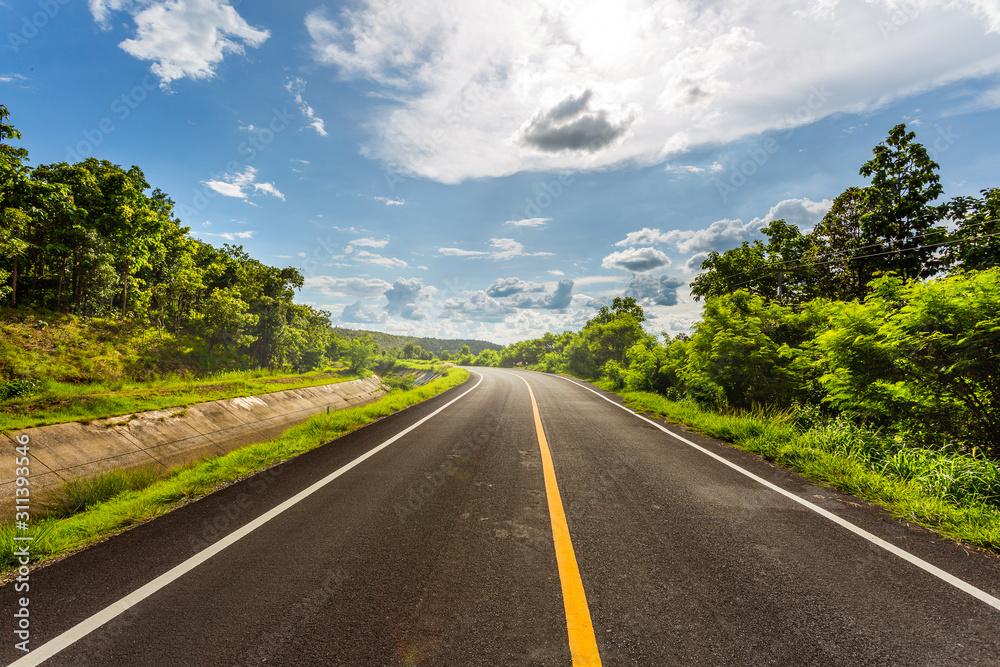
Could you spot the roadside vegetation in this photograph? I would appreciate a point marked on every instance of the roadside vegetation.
(864, 353)
(90, 510)
(110, 306)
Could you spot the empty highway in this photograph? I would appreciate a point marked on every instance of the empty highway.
(519, 519)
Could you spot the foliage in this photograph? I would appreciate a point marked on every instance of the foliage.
(390, 342)
(360, 353)
(922, 358)
(96, 240)
(13, 389)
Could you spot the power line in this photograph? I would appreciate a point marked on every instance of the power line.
(872, 245)
(856, 257)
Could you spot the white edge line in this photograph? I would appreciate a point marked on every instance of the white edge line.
(874, 539)
(85, 627)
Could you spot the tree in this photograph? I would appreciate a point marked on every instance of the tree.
(977, 239)
(619, 306)
(921, 358)
(842, 269)
(780, 268)
(360, 353)
(898, 217)
(225, 319)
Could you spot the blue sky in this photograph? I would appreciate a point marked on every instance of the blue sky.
(497, 169)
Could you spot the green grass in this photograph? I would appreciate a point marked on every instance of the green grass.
(56, 536)
(56, 368)
(952, 493)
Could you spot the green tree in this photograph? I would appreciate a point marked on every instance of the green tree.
(921, 358)
(360, 353)
(781, 268)
(842, 268)
(225, 321)
(619, 306)
(976, 241)
(899, 218)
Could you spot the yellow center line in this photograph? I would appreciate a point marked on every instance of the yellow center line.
(582, 642)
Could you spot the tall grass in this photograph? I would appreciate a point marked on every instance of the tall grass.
(954, 493)
(55, 535)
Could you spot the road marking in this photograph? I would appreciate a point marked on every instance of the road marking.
(582, 642)
(85, 627)
(961, 585)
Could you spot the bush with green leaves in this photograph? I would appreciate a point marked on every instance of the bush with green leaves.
(13, 389)
(921, 358)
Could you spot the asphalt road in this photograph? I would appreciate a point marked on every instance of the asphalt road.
(438, 550)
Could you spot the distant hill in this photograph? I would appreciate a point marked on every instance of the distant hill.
(436, 345)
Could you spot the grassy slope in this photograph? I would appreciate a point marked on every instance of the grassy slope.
(58, 536)
(92, 368)
(975, 521)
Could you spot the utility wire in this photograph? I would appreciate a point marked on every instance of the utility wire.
(849, 259)
(872, 245)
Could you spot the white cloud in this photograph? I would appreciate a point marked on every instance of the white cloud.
(268, 188)
(503, 249)
(477, 305)
(366, 287)
(637, 260)
(693, 264)
(648, 236)
(403, 297)
(296, 87)
(370, 242)
(358, 312)
(528, 222)
(379, 260)
(232, 236)
(183, 38)
(556, 272)
(459, 252)
(684, 169)
(539, 87)
(558, 300)
(803, 213)
(7, 78)
(391, 202)
(237, 185)
(721, 234)
(509, 286)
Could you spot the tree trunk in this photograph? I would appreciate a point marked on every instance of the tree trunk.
(13, 293)
(128, 267)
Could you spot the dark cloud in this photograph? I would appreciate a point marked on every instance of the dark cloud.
(636, 260)
(357, 312)
(572, 125)
(558, 300)
(509, 286)
(403, 297)
(650, 291)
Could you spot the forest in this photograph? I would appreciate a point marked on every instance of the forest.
(94, 241)
(884, 318)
